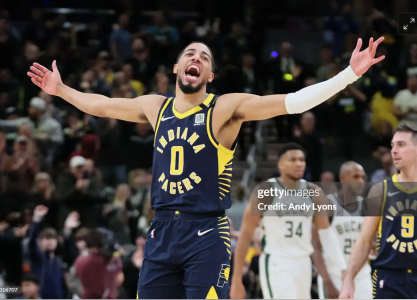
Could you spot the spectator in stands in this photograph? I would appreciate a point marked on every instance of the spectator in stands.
(90, 145)
(139, 148)
(163, 33)
(92, 82)
(9, 84)
(30, 287)
(136, 85)
(3, 148)
(327, 182)
(237, 41)
(162, 87)
(51, 110)
(307, 137)
(78, 192)
(102, 68)
(381, 139)
(116, 214)
(109, 160)
(410, 67)
(29, 56)
(327, 63)
(405, 101)
(43, 193)
(121, 40)
(143, 67)
(348, 108)
(44, 263)
(75, 128)
(99, 275)
(9, 39)
(386, 171)
(145, 219)
(37, 30)
(46, 130)
(132, 264)
(23, 164)
(288, 76)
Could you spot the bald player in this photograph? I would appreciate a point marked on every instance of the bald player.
(347, 222)
(188, 250)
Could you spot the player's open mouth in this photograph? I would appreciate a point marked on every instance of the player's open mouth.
(192, 73)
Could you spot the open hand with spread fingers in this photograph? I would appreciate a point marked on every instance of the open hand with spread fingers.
(361, 61)
(48, 81)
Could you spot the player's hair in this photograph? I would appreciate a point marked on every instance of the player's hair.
(213, 64)
(405, 126)
(288, 147)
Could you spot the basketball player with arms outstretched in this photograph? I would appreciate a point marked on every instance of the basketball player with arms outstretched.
(187, 252)
(393, 217)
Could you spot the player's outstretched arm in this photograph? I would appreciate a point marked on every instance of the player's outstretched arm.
(252, 107)
(133, 110)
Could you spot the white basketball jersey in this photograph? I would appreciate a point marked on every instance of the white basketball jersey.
(347, 225)
(287, 232)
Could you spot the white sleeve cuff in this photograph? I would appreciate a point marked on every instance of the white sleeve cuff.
(311, 96)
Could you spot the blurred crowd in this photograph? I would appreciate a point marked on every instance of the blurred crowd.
(85, 172)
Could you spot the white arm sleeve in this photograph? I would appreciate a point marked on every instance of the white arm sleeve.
(331, 248)
(313, 95)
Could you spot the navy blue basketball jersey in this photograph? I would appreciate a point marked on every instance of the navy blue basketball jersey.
(192, 172)
(397, 232)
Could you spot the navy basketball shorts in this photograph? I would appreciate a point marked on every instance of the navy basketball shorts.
(186, 256)
(394, 284)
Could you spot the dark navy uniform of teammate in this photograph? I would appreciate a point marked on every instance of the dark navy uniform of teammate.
(188, 249)
(395, 274)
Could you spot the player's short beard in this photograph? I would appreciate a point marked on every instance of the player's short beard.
(188, 88)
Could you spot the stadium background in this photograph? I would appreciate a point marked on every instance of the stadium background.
(126, 48)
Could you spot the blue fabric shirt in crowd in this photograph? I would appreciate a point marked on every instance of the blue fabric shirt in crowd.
(123, 40)
(50, 270)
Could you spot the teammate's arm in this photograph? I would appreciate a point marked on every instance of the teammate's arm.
(318, 260)
(133, 110)
(327, 236)
(249, 223)
(252, 107)
(363, 245)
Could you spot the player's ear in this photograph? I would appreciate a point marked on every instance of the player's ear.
(175, 70)
(211, 77)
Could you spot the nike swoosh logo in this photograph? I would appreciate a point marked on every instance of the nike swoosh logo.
(204, 232)
(392, 194)
(164, 119)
